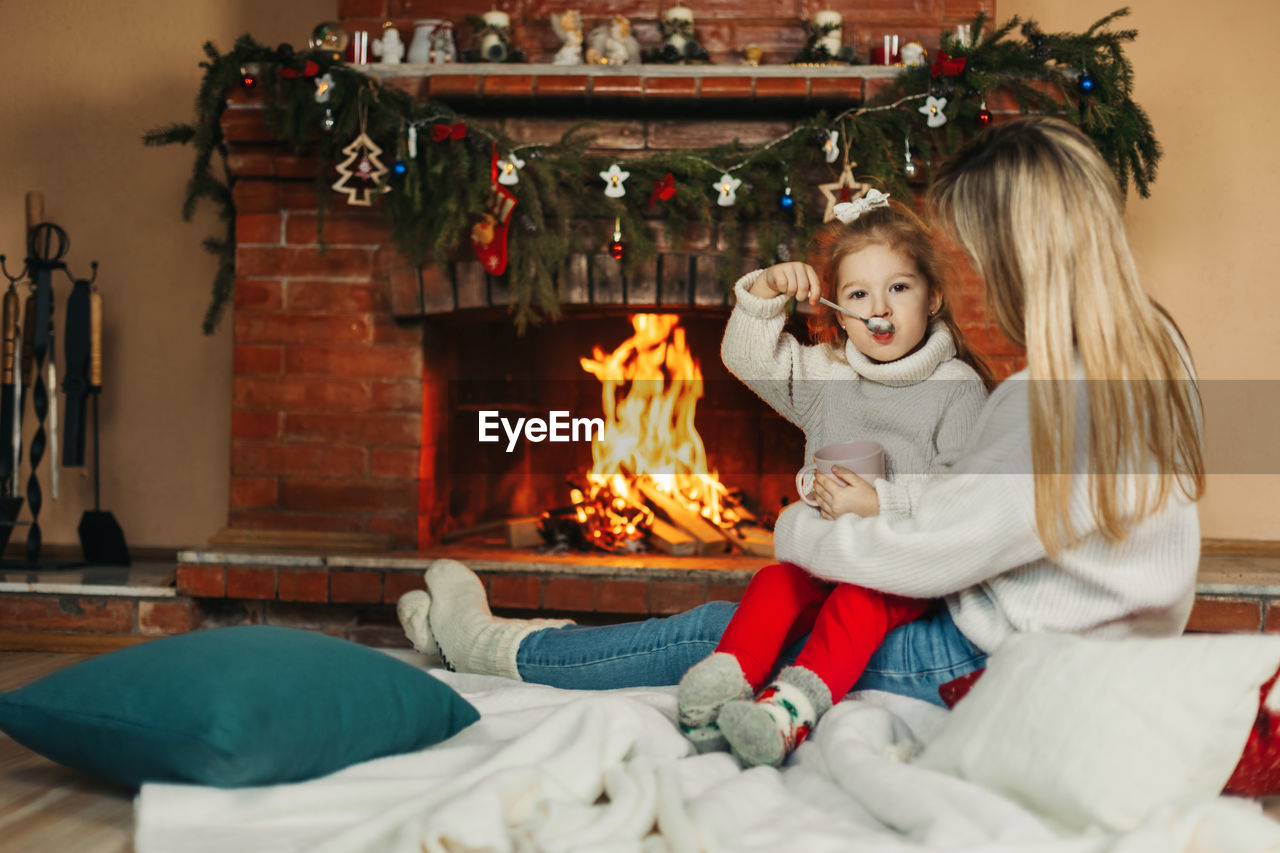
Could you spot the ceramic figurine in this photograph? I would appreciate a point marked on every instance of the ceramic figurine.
(613, 44)
(912, 53)
(568, 28)
(443, 48)
(389, 48)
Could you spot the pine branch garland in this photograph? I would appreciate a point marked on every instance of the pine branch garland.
(431, 207)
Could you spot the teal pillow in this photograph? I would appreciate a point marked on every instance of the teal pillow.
(251, 705)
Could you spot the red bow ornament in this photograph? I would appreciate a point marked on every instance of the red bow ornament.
(663, 189)
(310, 69)
(441, 132)
(945, 66)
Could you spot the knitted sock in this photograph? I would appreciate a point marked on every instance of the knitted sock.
(412, 608)
(703, 691)
(471, 638)
(767, 730)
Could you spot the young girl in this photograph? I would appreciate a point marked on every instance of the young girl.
(914, 389)
(1070, 509)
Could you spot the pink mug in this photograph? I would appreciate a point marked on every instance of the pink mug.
(864, 458)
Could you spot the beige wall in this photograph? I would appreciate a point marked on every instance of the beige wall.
(85, 80)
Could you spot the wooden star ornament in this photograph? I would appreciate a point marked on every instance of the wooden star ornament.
(845, 189)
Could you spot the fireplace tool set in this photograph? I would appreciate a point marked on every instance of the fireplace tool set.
(30, 370)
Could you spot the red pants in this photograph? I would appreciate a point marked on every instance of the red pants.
(845, 623)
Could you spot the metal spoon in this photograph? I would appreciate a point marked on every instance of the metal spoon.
(875, 325)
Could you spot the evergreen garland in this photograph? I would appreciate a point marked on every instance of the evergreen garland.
(431, 207)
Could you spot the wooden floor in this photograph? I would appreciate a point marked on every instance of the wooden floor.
(46, 808)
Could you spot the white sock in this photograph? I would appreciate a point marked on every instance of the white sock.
(470, 637)
(412, 609)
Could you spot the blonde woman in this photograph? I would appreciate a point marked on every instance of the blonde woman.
(1070, 509)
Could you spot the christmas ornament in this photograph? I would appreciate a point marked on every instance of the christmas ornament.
(508, 170)
(398, 168)
(663, 190)
(1086, 83)
(946, 66)
(489, 234)
(984, 115)
(328, 119)
(846, 189)
(830, 146)
(909, 168)
(444, 132)
(324, 88)
(613, 179)
(360, 175)
(616, 248)
(933, 109)
(249, 75)
(727, 189)
(412, 141)
(787, 201)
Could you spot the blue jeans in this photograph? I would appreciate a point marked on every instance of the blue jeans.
(914, 660)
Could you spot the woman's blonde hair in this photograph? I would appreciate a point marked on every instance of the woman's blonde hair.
(1040, 214)
(898, 227)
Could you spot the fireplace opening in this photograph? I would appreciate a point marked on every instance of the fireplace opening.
(485, 460)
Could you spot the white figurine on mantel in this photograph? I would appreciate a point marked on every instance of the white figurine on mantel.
(830, 27)
(389, 48)
(613, 43)
(912, 53)
(568, 28)
(443, 48)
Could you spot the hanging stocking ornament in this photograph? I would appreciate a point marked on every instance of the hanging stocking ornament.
(361, 174)
(489, 234)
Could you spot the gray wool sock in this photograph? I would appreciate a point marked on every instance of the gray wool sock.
(767, 730)
(705, 688)
(471, 638)
(813, 687)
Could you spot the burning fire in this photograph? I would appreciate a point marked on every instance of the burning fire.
(650, 386)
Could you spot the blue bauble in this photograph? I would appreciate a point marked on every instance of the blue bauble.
(399, 167)
(787, 201)
(1086, 83)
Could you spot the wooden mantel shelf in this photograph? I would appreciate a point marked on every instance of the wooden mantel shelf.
(648, 82)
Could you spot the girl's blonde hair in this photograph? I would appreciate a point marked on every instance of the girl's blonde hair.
(898, 227)
(1041, 216)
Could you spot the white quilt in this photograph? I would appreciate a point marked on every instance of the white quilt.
(560, 770)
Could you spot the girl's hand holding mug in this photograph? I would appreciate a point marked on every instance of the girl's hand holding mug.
(844, 491)
(792, 278)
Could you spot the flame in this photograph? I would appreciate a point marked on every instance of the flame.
(650, 387)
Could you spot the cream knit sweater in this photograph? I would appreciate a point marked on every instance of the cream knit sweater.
(922, 424)
(972, 540)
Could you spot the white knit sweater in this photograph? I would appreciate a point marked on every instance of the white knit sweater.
(922, 424)
(972, 539)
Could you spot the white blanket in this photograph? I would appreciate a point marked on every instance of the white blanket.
(560, 770)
